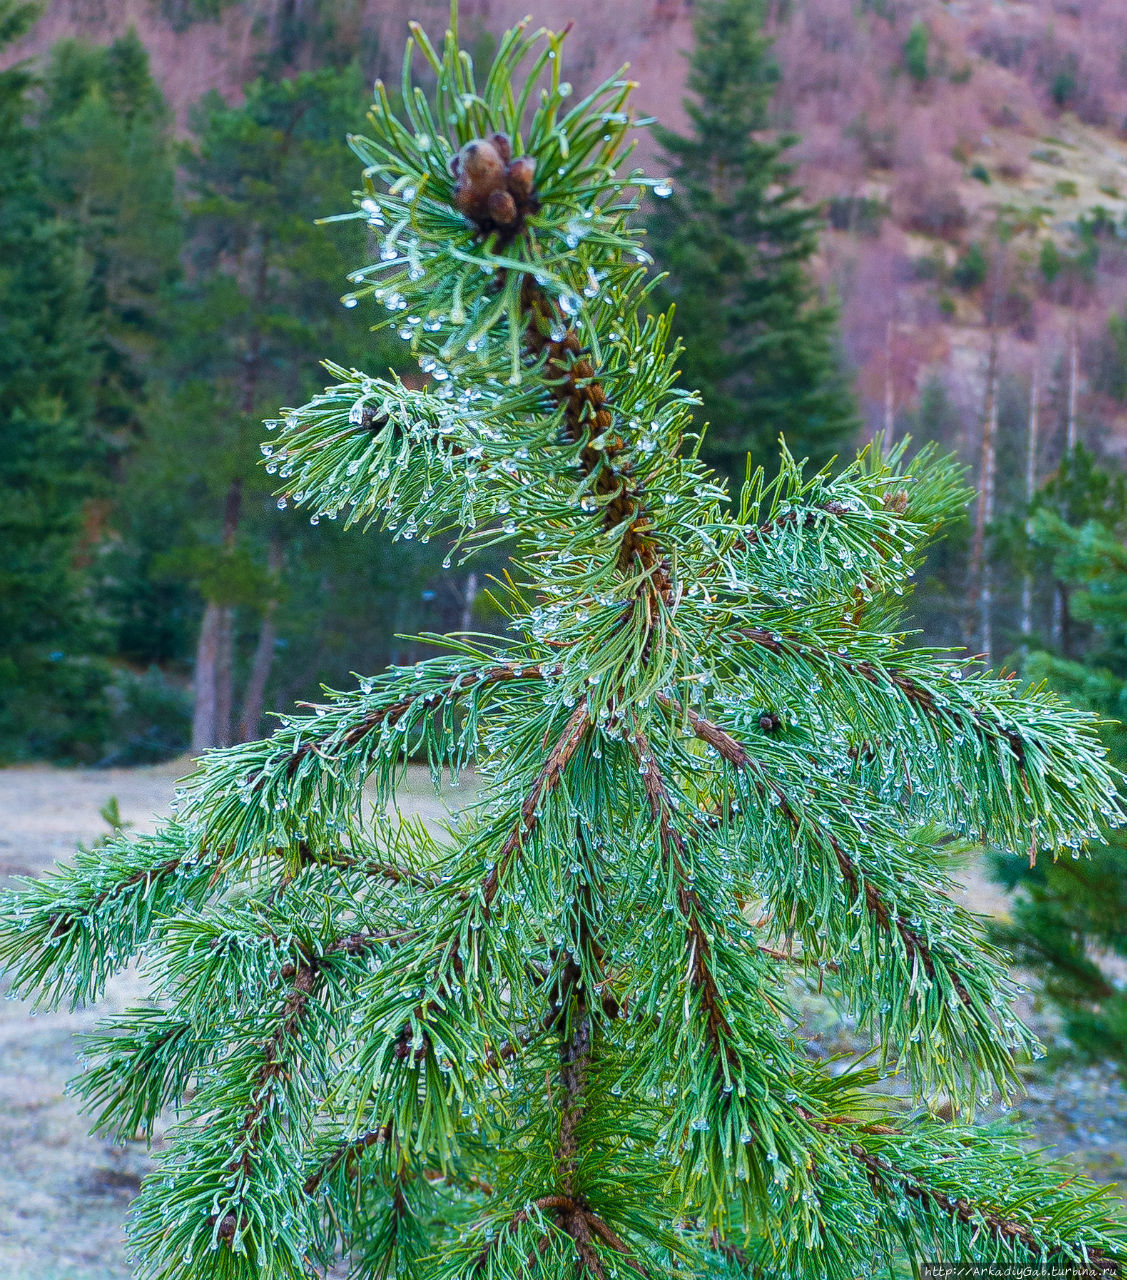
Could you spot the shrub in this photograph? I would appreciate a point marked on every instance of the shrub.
(860, 214)
(970, 270)
(916, 52)
(151, 718)
(929, 203)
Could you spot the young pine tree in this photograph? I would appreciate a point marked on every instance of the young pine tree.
(1068, 919)
(558, 1038)
(736, 241)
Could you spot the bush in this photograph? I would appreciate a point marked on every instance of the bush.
(877, 142)
(929, 203)
(860, 214)
(1063, 87)
(930, 267)
(54, 708)
(151, 719)
(916, 51)
(970, 270)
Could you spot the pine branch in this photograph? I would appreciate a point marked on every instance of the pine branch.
(244, 796)
(67, 933)
(886, 676)
(588, 416)
(545, 783)
(915, 945)
(985, 1214)
(689, 906)
(345, 1156)
(303, 977)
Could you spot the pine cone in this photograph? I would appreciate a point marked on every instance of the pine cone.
(492, 189)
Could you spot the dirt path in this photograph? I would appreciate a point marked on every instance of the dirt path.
(64, 1194)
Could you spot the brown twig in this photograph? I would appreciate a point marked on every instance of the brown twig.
(544, 784)
(395, 711)
(347, 1153)
(808, 517)
(1009, 1230)
(574, 382)
(673, 852)
(572, 1216)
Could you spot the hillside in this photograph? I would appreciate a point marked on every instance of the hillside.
(949, 141)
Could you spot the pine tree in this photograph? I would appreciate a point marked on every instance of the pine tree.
(1068, 917)
(261, 289)
(51, 699)
(736, 240)
(558, 1037)
(104, 148)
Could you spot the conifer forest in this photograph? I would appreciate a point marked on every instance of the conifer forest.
(563, 639)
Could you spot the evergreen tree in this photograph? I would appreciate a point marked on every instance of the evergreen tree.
(1068, 918)
(557, 1038)
(105, 151)
(261, 290)
(51, 699)
(737, 240)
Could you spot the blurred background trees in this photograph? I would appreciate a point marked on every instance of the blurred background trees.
(736, 240)
(160, 297)
(1068, 922)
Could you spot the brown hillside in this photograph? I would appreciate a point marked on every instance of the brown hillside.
(1015, 132)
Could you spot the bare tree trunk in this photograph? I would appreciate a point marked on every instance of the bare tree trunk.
(1073, 379)
(981, 583)
(224, 676)
(889, 389)
(986, 596)
(211, 716)
(1030, 490)
(468, 600)
(1064, 592)
(254, 698)
(204, 702)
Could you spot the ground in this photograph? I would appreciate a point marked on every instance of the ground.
(65, 1194)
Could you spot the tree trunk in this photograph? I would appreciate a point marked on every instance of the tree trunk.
(1065, 619)
(1073, 379)
(1030, 490)
(224, 676)
(981, 581)
(211, 715)
(468, 600)
(204, 732)
(254, 697)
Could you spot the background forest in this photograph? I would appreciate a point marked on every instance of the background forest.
(919, 228)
